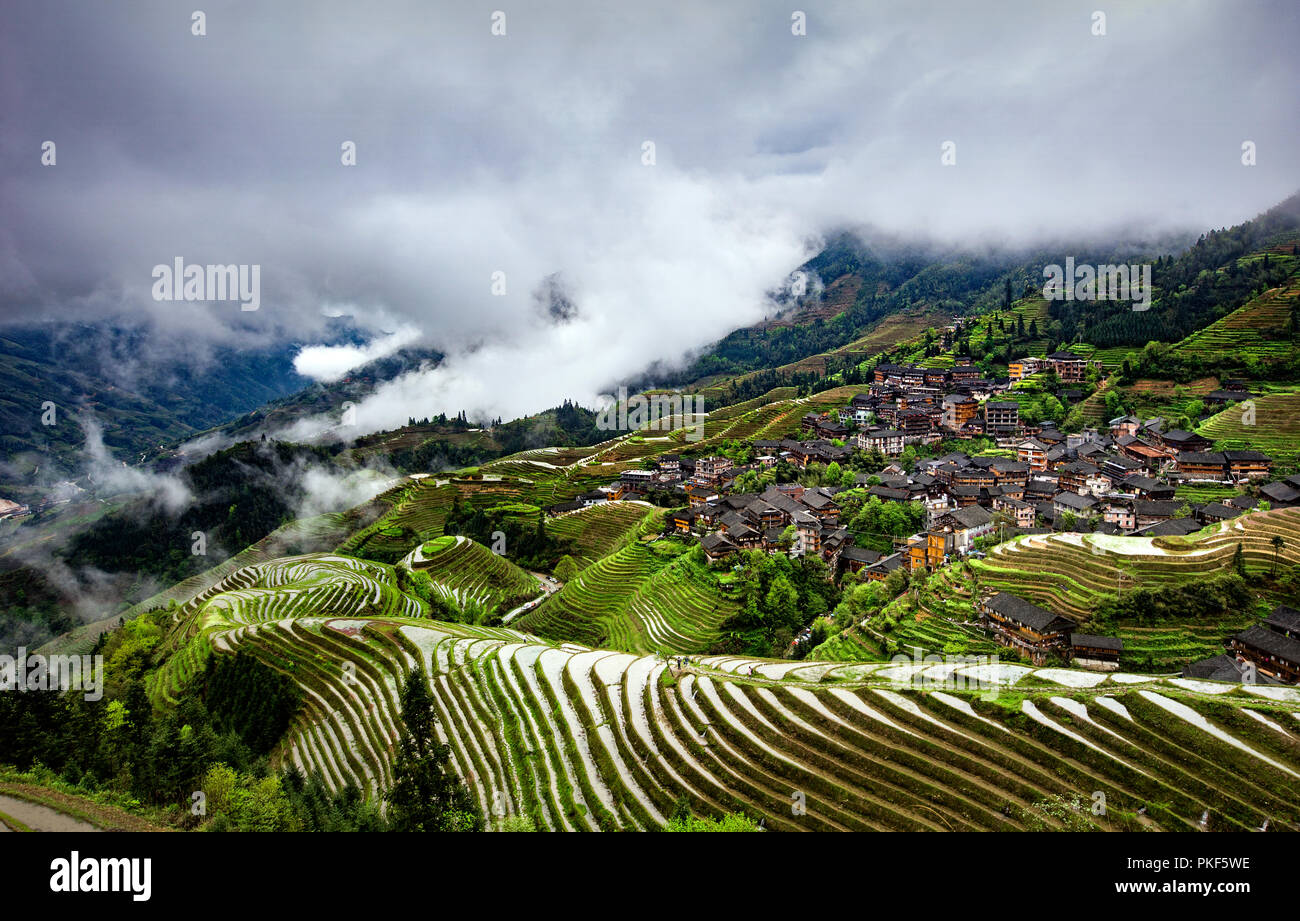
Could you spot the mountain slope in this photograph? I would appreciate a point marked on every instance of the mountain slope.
(101, 373)
(589, 739)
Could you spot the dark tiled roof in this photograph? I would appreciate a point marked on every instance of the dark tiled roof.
(1080, 466)
(1271, 642)
(1074, 500)
(1158, 508)
(1221, 668)
(1015, 608)
(1097, 642)
(716, 542)
(972, 516)
(1284, 618)
(1174, 527)
(1279, 492)
(1207, 458)
(816, 500)
(889, 563)
(860, 555)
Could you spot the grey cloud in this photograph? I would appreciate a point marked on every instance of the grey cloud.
(521, 154)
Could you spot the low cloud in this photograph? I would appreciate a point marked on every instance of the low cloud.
(111, 476)
(326, 491)
(523, 158)
(331, 362)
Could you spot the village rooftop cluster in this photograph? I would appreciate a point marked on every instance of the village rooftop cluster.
(1118, 479)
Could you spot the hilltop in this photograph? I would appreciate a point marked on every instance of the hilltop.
(581, 739)
(800, 605)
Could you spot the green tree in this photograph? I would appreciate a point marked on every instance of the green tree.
(567, 569)
(783, 599)
(732, 822)
(426, 794)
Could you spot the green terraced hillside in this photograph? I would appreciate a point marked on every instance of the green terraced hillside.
(599, 530)
(1072, 573)
(582, 739)
(250, 598)
(637, 600)
(1260, 328)
(1069, 572)
(470, 575)
(1275, 429)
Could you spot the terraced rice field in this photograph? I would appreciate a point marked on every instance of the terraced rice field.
(775, 395)
(1072, 573)
(856, 644)
(1111, 359)
(303, 535)
(583, 739)
(635, 600)
(1093, 409)
(938, 620)
(784, 420)
(1275, 430)
(1200, 494)
(420, 508)
(599, 530)
(1154, 397)
(932, 635)
(1069, 572)
(895, 329)
(1167, 649)
(470, 575)
(1259, 328)
(249, 598)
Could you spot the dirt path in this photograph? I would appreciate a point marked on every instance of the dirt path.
(86, 814)
(39, 818)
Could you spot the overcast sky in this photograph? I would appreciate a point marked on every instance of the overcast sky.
(523, 154)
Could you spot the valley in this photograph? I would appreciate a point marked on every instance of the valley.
(957, 565)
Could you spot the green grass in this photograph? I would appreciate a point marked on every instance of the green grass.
(636, 600)
(600, 530)
(1259, 329)
(1072, 575)
(469, 574)
(1275, 430)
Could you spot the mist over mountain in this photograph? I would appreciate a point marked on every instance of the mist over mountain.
(505, 210)
(425, 416)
